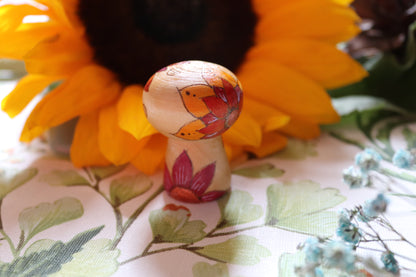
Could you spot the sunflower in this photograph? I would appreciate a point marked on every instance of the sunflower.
(101, 53)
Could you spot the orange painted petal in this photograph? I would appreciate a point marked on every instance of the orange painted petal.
(60, 55)
(117, 145)
(152, 156)
(27, 88)
(89, 89)
(84, 148)
(287, 91)
(131, 115)
(190, 130)
(15, 44)
(320, 61)
(192, 99)
(323, 20)
(268, 117)
(245, 131)
(271, 143)
(301, 129)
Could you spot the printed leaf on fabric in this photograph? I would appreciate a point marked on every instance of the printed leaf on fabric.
(10, 179)
(301, 207)
(237, 208)
(260, 171)
(242, 250)
(172, 224)
(128, 187)
(45, 215)
(45, 257)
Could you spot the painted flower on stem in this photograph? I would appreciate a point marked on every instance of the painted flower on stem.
(225, 107)
(185, 186)
(103, 52)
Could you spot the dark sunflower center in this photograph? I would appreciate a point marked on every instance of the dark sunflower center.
(135, 38)
(170, 21)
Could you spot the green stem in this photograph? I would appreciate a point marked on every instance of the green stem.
(22, 242)
(9, 241)
(148, 253)
(134, 216)
(401, 175)
(212, 235)
(5, 236)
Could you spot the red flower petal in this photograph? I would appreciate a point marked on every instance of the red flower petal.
(233, 98)
(221, 93)
(203, 179)
(209, 119)
(213, 129)
(167, 181)
(231, 118)
(185, 195)
(182, 170)
(212, 195)
(216, 105)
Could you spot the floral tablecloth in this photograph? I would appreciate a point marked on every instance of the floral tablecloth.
(58, 220)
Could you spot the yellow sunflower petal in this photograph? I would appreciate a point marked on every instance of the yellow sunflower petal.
(301, 129)
(131, 115)
(84, 148)
(235, 152)
(60, 55)
(269, 118)
(15, 44)
(286, 90)
(323, 20)
(271, 143)
(319, 61)
(27, 88)
(12, 15)
(64, 11)
(90, 88)
(152, 156)
(117, 145)
(245, 131)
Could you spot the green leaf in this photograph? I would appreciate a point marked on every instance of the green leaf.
(45, 257)
(300, 207)
(242, 250)
(410, 138)
(10, 179)
(237, 208)
(96, 258)
(202, 269)
(297, 149)
(260, 171)
(171, 224)
(128, 187)
(64, 178)
(36, 219)
(107, 171)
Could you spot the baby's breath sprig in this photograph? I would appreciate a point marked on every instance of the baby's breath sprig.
(357, 228)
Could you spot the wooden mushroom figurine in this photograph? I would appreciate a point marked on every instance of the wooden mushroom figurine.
(193, 103)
